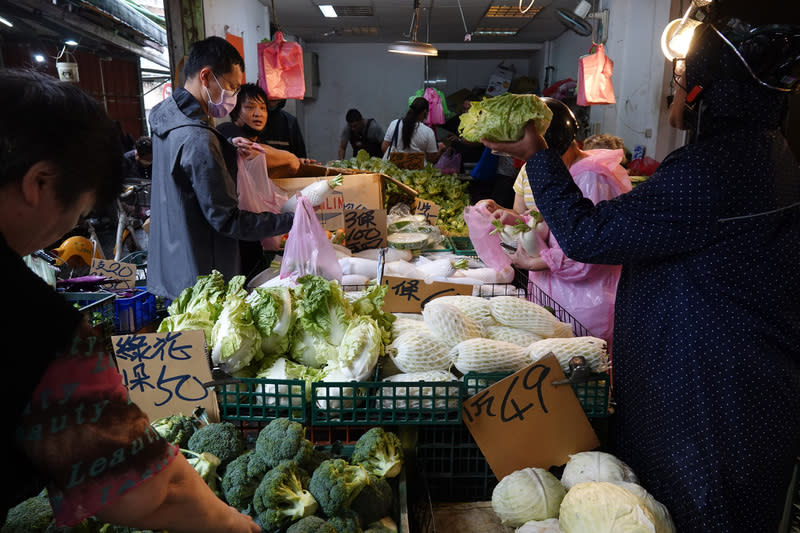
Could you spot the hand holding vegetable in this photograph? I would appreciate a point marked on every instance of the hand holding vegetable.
(525, 148)
(316, 193)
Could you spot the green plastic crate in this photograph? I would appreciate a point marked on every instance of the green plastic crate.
(462, 246)
(593, 395)
(386, 403)
(452, 466)
(261, 400)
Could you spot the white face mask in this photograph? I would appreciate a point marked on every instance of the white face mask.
(226, 103)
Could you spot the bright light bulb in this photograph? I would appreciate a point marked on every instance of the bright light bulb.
(39, 58)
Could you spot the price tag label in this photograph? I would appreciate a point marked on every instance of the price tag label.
(526, 421)
(364, 229)
(165, 372)
(124, 273)
(406, 295)
(427, 208)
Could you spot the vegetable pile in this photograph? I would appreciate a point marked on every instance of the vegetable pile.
(501, 334)
(503, 117)
(284, 483)
(445, 190)
(597, 493)
(309, 331)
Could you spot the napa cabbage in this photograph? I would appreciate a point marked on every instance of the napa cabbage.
(273, 317)
(235, 339)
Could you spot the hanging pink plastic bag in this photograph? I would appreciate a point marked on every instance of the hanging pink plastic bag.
(308, 250)
(280, 68)
(435, 112)
(487, 245)
(258, 194)
(594, 78)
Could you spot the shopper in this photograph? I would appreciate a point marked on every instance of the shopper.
(586, 291)
(707, 326)
(248, 119)
(362, 134)
(409, 134)
(70, 424)
(282, 130)
(196, 224)
(138, 161)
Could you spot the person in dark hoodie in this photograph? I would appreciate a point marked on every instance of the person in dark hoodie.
(707, 325)
(196, 224)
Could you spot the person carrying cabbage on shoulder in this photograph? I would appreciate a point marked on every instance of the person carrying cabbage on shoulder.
(587, 291)
(706, 366)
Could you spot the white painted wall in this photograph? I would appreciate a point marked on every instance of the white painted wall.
(248, 19)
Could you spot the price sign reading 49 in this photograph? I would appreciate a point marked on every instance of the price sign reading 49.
(524, 420)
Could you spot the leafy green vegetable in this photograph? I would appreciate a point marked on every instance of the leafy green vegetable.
(208, 294)
(273, 317)
(200, 319)
(235, 339)
(503, 117)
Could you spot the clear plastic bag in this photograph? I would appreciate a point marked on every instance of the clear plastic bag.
(258, 194)
(308, 250)
(487, 245)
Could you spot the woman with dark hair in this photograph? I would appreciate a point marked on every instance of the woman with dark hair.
(413, 136)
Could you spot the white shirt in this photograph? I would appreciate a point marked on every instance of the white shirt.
(422, 140)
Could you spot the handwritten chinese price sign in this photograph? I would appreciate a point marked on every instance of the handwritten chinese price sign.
(365, 228)
(124, 273)
(526, 421)
(427, 208)
(406, 295)
(165, 372)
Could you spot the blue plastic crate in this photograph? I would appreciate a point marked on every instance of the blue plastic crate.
(98, 307)
(133, 313)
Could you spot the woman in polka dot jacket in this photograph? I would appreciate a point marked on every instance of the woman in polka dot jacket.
(707, 324)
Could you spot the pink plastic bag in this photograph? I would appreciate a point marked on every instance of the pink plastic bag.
(258, 194)
(594, 78)
(308, 250)
(488, 248)
(280, 68)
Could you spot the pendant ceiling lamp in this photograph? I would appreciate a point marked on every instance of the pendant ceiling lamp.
(413, 47)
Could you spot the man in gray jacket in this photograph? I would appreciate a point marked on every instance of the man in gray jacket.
(196, 223)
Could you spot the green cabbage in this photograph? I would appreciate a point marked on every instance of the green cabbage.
(503, 117)
(595, 466)
(527, 494)
(664, 522)
(272, 314)
(236, 341)
(602, 507)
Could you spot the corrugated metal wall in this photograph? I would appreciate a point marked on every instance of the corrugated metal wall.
(114, 82)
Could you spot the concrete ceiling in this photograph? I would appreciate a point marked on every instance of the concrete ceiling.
(440, 21)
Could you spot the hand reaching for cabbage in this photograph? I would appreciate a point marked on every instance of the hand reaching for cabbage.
(531, 142)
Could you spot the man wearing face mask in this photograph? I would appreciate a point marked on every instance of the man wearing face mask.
(282, 130)
(196, 224)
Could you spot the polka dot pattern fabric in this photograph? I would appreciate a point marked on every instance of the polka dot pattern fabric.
(707, 323)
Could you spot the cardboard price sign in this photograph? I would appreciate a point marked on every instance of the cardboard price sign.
(526, 421)
(427, 208)
(124, 273)
(364, 228)
(165, 372)
(406, 295)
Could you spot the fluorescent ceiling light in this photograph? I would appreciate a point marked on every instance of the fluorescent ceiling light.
(6, 22)
(480, 31)
(413, 48)
(39, 58)
(327, 10)
(71, 42)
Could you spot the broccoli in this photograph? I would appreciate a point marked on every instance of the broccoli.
(282, 440)
(347, 522)
(206, 464)
(241, 480)
(176, 429)
(29, 516)
(335, 484)
(311, 524)
(380, 452)
(282, 498)
(223, 439)
(374, 501)
(384, 525)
